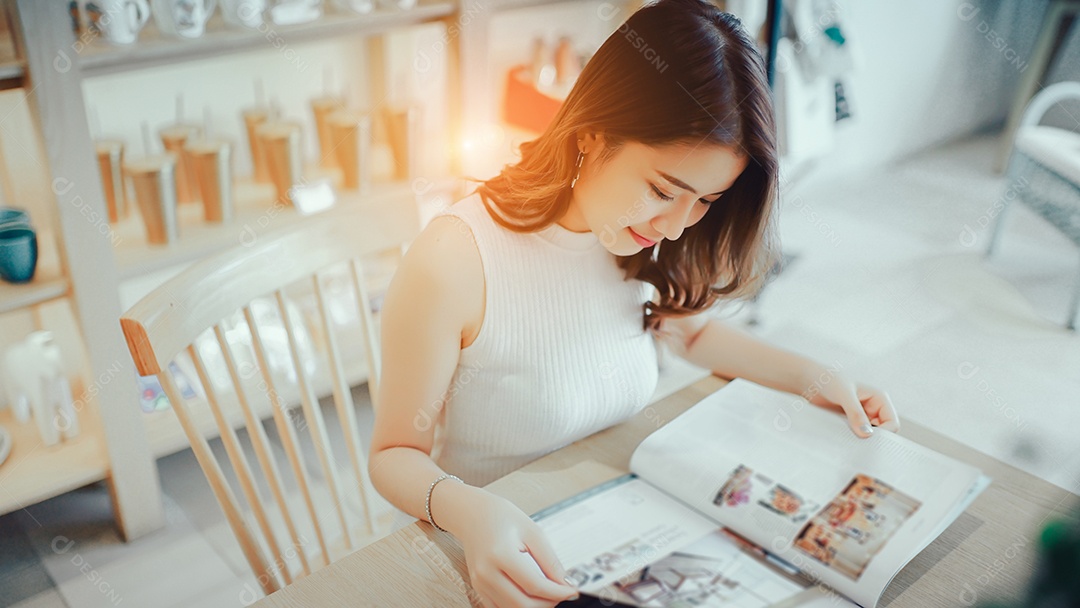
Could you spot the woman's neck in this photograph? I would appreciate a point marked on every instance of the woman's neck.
(573, 220)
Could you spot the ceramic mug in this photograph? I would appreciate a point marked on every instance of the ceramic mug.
(118, 21)
(245, 13)
(183, 18)
(18, 253)
(12, 217)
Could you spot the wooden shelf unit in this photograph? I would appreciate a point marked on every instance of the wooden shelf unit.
(34, 472)
(119, 442)
(155, 49)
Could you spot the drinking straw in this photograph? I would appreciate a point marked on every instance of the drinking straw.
(95, 122)
(146, 138)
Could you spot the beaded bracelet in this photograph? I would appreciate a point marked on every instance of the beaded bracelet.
(427, 503)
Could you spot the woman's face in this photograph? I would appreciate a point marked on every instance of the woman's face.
(624, 200)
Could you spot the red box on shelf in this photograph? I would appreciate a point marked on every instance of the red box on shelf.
(524, 105)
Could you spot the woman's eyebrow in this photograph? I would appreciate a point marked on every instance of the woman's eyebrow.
(678, 182)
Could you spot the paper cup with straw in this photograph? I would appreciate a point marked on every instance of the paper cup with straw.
(280, 141)
(210, 161)
(153, 185)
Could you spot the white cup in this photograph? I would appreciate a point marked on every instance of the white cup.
(244, 13)
(120, 20)
(183, 18)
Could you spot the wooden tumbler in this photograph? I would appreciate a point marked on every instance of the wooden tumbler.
(211, 163)
(110, 156)
(174, 138)
(350, 134)
(153, 181)
(280, 141)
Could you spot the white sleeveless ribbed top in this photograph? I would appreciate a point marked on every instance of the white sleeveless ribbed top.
(561, 352)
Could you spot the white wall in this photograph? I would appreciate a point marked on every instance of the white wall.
(927, 71)
(931, 71)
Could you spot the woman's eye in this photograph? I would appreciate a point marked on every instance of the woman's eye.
(661, 194)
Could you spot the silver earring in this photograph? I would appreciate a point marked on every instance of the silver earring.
(580, 158)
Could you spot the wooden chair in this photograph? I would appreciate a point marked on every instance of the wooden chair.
(166, 324)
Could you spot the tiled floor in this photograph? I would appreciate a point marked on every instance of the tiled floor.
(887, 284)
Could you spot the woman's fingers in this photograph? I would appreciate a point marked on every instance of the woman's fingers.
(524, 571)
(507, 592)
(878, 405)
(857, 418)
(864, 407)
(544, 555)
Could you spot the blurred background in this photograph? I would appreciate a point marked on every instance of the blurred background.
(929, 214)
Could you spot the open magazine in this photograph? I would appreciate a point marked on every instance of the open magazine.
(753, 498)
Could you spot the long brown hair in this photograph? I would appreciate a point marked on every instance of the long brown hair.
(676, 72)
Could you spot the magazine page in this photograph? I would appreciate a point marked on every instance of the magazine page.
(626, 543)
(793, 478)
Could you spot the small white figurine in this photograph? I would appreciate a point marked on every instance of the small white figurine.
(34, 381)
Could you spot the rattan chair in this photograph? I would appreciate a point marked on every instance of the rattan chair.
(1044, 174)
(176, 320)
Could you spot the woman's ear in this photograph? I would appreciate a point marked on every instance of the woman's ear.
(590, 141)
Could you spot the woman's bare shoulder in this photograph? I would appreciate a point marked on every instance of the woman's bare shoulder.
(446, 245)
(444, 262)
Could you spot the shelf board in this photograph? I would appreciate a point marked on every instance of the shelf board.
(12, 69)
(255, 213)
(44, 287)
(33, 472)
(11, 74)
(156, 49)
(504, 5)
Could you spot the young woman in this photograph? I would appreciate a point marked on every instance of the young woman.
(526, 316)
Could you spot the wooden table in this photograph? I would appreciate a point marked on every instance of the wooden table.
(988, 552)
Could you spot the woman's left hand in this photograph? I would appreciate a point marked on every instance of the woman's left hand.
(864, 406)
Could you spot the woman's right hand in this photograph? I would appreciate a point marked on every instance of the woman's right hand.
(511, 563)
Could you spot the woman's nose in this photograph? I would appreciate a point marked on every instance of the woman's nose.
(672, 222)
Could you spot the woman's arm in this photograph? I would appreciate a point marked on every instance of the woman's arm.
(421, 334)
(426, 310)
(729, 352)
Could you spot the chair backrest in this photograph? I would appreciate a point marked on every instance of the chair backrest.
(167, 323)
(1046, 99)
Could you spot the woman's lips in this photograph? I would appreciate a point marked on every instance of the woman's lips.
(644, 242)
